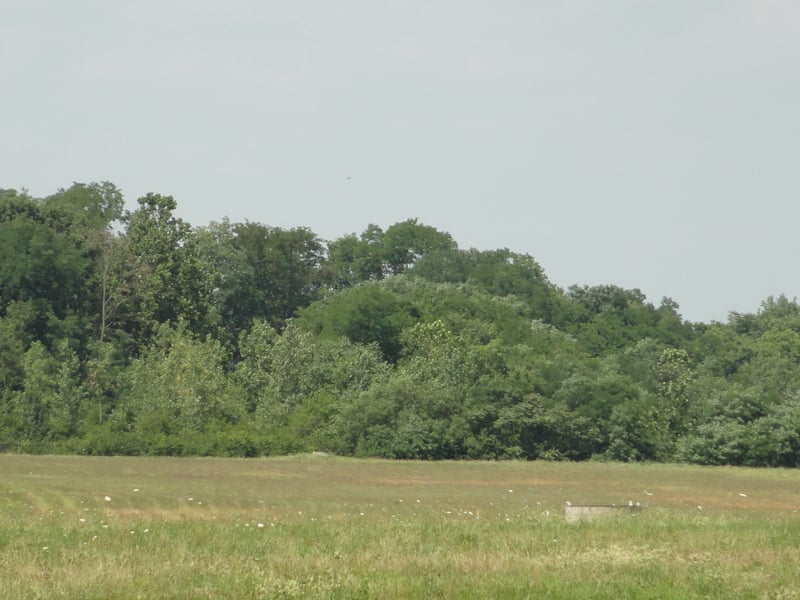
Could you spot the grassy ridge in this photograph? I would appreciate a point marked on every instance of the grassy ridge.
(310, 527)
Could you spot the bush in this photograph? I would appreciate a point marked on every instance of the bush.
(719, 442)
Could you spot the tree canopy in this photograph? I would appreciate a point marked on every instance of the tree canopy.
(135, 332)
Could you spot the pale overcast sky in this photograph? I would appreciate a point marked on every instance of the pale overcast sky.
(649, 144)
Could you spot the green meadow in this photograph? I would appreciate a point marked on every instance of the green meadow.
(326, 527)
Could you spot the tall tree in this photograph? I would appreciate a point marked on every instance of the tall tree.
(352, 260)
(169, 285)
(280, 272)
(404, 243)
(41, 263)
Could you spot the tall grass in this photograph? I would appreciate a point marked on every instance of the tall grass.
(308, 527)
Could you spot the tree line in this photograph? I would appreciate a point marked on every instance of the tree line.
(134, 332)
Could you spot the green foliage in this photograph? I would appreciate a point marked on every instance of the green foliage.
(253, 371)
(402, 418)
(41, 265)
(367, 314)
(169, 283)
(716, 442)
(673, 375)
(135, 333)
(49, 405)
(179, 384)
(405, 243)
(352, 260)
(636, 432)
(529, 430)
(281, 271)
(15, 338)
(776, 435)
(595, 394)
(610, 318)
(499, 273)
(293, 382)
(95, 205)
(434, 355)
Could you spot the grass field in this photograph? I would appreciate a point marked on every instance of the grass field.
(324, 527)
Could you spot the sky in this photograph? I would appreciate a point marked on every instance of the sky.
(640, 143)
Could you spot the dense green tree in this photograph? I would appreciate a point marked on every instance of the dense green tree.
(352, 260)
(499, 273)
(296, 383)
(180, 383)
(610, 318)
(123, 282)
(49, 405)
(87, 214)
(104, 373)
(367, 314)
(16, 336)
(636, 432)
(41, 265)
(278, 271)
(406, 242)
(775, 437)
(90, 207)
(137, 333)
(722, 352)
(595, 393)
(673, 373)
(155, 238)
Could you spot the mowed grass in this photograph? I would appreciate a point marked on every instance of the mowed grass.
(325, 527)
